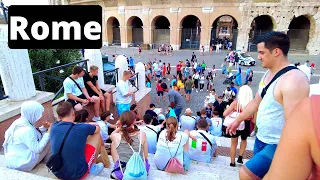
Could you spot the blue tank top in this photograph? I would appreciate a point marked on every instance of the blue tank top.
(270, 117)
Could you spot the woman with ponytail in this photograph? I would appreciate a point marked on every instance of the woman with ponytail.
(244, 97)
(172, 143)
(127, 136)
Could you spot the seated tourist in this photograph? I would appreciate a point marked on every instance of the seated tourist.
(124, 141)
(81, 147)
(105, 125)
(216, 124)
(204, 148)
(171, 142)
(187, 121)
(203, 115)
(91, 83)
(24, 145)
(151, 132)
(297, 155)
(76, 93)
(81, 116)
(153, 114)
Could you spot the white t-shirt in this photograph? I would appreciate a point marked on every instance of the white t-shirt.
(104, 129)
(187, 122)
(155, 66)
(228, 95)
(151, 136)
(202, 79)
(307, 71)
(201, 150)
(216, 126)
(123, 89)
(162, 155)
(195, 65)
(196, 76)
(71, 87)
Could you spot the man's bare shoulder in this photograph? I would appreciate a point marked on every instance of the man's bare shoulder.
(294, 81)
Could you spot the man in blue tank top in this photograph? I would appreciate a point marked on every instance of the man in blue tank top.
(274, 106)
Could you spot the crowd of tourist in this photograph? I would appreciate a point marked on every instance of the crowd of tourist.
(76, 146)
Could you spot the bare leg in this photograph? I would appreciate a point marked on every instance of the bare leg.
(96, 106)
(95, 141)
(78, 107)
(234, 143)
(243, 146)
(244, 175)
(108, 97)
(102, 103)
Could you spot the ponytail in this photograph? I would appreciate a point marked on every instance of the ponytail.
(171, 132)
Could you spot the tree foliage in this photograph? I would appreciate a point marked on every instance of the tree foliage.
(42, 59)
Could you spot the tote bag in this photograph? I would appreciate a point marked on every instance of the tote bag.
(232, 116)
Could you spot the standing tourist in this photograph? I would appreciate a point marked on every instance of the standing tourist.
(175, 99)
(273, 105)
(189, 85)
(124, 97)
(196, 78)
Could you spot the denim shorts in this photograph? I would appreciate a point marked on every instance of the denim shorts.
(258, 166)
(188, 91)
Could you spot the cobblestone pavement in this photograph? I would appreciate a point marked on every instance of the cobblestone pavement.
(197, 99)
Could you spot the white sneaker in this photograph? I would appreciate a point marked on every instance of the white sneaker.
(95, 119)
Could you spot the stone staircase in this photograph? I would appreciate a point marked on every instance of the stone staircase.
(218, 169)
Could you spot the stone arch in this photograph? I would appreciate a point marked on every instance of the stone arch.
(160, 30)
(113, 31)
(224, 27)
(190, 32)
(135, 30)
(301, 31)
(259, 25)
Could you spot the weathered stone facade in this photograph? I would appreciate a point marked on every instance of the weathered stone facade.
(244, 12)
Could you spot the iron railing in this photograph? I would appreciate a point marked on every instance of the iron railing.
(2, 95)
(134, 80)
(111, 76)
(42, 74)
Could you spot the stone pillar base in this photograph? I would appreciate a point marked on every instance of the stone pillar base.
(176, 47)
(10, 111)
(125, 45)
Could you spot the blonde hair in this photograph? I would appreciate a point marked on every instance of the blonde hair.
(171, 128)
(93, 68)
(244, 96)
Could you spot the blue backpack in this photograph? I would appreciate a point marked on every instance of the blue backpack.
(135, 167)
(172, 113)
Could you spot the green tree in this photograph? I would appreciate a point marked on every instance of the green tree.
(42, 59)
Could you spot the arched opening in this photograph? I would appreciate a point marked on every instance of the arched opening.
(225, 31)
(113, 31)
(137, 30)
(259, 25)
(298, 33)
(161, 32)
(191, 31)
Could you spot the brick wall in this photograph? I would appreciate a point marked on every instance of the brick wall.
(47, 116)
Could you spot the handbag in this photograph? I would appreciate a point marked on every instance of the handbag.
(174, 165)
(55, 162)
(232, 117)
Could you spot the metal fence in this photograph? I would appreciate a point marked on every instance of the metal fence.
(137, 36)
(43, 74)
(190, 38)
(111, 76)
(161, 36)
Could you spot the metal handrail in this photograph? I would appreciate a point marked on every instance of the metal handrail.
(1, 92)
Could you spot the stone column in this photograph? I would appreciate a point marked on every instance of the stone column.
(140, 68)
(205, 37)
(15, 70)
(314, 41)
(122, 64)
(109, 35)
(243, 38)
(95, 58)
(126, 36)
(175, 37)
(147, 35)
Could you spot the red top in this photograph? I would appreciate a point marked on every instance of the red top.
(315, 103)
(178, 67)
(312, 65)
(159, 88)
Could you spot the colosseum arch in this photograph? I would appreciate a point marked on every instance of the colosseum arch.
(224, 27)
(161, 30)
(135, 33)
(259, 25)
(113, 31)
(190, 32)
(301, 32)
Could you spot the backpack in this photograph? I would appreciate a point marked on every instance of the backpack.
(135, 167)
(174, 165)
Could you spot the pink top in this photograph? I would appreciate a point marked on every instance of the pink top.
(315, 103)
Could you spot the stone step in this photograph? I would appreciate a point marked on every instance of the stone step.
(218, 169)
